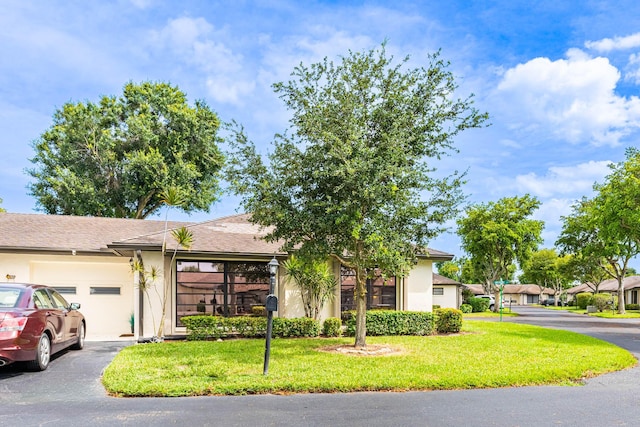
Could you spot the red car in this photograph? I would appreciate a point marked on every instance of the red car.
(36, 322)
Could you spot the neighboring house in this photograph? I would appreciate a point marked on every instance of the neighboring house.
(446, 292)
(225, 272)
(631, 288)
(518, 294)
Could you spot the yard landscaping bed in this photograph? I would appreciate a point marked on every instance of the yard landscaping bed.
(485, 354)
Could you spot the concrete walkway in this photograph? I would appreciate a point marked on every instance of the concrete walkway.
(69, 393)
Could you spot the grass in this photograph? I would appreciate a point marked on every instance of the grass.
(606, 314)
(487, 354)
(505, 313)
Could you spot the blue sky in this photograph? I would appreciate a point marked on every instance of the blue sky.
(559, 78)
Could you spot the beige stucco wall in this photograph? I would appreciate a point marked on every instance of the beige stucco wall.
(450, 297)
(107, 316)
(418, 287)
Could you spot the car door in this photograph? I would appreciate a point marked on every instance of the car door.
(69, 317)
(53, 317)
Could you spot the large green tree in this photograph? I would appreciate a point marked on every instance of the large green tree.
(116, 157)
(548, 269)
(497, 235)
(607, 227)
(354, 176)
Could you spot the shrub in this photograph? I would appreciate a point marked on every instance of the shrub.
(602, 301)
(391, 322)
(208, 327)
(466, 308)
(632, 307)
(332, 327)
(258, 311)
(297, 327)
(583, 299)
(448, 320)
(478, 305)
(435, 306)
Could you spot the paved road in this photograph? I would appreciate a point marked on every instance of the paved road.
(69, 393)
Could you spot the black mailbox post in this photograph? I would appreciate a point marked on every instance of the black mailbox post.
(271, 305)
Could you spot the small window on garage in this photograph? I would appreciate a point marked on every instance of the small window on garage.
(66, 290)
(438, 291)
(104, 290)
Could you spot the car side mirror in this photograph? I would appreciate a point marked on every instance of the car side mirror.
(74, 306)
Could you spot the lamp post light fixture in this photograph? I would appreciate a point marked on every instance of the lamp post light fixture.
(271, 305)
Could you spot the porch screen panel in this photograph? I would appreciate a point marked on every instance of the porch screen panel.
(219, 288)
(381, 292)
(247, 286)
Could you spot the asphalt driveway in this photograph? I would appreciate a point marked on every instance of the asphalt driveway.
(69, 393)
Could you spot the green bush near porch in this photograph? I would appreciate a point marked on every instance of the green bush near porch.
(214, 327)
(392, 322)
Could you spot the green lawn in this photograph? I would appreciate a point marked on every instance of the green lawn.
(505, 313)
(486, 354)
(607, 314)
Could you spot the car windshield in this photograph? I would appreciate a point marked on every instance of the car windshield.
(9, 297)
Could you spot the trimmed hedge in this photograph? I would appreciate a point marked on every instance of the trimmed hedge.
(213, 327)
(604, 301)
(296, 327)
(478, 305)
(448, 320)
(583, 299)
(332, 327)
(632, 307)
(391, 322)
(466, 308)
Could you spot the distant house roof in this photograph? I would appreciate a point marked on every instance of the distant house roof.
(527, 289)
(94, 235)
(442, 280)
(609, 285)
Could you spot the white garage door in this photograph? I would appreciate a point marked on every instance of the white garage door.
(104, 290)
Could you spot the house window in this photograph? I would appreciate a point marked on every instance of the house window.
(381, 292)
(634, 297)
(533, 299)
(220, 288)
(438, 291)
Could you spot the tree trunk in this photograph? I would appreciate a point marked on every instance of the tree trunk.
(621, 308)
(360, 295)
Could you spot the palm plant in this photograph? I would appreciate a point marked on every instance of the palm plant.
(314, 279)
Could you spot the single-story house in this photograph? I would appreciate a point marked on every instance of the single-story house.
(447, 293)
(90, 261)
(518, 294)
(631, 288)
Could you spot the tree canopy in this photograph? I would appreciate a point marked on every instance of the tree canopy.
(548, 269)
(354, 176)
(606, 228)
(496, 235)
(116, 157)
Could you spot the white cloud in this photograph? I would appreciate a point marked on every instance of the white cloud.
(632, 71)
(564, 180)
(616, 43)
(571, 99)
(195, 42)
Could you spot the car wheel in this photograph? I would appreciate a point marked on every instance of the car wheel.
(79, 345)
(43, 354)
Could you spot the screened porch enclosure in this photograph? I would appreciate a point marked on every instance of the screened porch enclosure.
(222, 288)
(381, 291)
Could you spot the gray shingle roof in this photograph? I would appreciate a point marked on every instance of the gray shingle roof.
(38, 232)
(61, 233)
